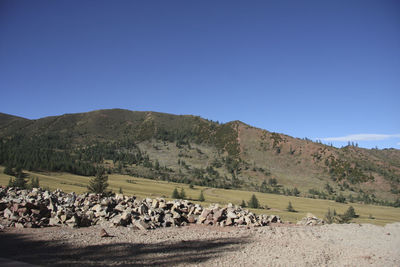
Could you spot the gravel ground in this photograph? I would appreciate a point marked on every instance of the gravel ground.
(284, 245)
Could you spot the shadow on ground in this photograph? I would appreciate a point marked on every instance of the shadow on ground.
(56, 253)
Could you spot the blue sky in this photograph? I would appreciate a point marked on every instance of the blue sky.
(319, 69)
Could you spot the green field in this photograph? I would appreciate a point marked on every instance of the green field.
(276, 203)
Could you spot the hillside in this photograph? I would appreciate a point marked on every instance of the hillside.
(194, 150)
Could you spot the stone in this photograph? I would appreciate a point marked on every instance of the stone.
(155, 204)
(141, 225)
(19, 225)
(7, 213)
(63, 218)
(119, 208)
(72, 222)
(119, 196)
(125, 216)
(191, 218)
(205, 213)
(273, 218)
(54, 221)
(143, 209)
(97, 208)
(231, 215)
(103, 233)
(218, 215)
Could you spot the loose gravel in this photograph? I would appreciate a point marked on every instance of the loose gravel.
(199, 245)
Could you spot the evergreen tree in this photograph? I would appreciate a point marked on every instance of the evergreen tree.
(175, 193)
(290, 207)
(157, 165)
(11, 182)
(120, 190)
(201, 197)
(182, 194)
(8, 170)
(20, 181)
(296, 192)
(329, 216)
(35, 182)
(253, 203)
(350, 213)
(98, 184)
(243, 205)
(340, 198)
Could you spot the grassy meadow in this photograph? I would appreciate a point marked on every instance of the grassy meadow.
(274, 204)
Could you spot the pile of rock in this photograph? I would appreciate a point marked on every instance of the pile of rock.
(310, 219)
(39, 208)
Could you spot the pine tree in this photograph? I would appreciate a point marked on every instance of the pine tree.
(296, 192)
(20, 181)
(11, 182)
(98, 184)
(253, 203)
(182, 194)
(243, 205)
(120, 190)
(35, 182)
(201, 197)
(290, 207)
(350, 213)
(8, 170)
(175, 193)
(330, 216)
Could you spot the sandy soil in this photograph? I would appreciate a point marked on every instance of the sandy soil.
(329, 245)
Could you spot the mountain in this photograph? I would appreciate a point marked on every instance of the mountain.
(191, 149)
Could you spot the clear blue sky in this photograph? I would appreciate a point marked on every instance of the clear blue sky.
(316, 69)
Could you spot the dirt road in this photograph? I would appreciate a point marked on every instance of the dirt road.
(328, 245)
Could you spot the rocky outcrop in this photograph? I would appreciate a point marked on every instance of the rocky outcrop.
(310, 219)
(39, 208)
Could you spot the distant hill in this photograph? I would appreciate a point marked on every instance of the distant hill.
(191, 149)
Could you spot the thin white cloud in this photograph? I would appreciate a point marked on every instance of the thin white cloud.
(361, 137)
(398, 143)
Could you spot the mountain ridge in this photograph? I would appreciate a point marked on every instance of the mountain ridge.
(191, 149)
